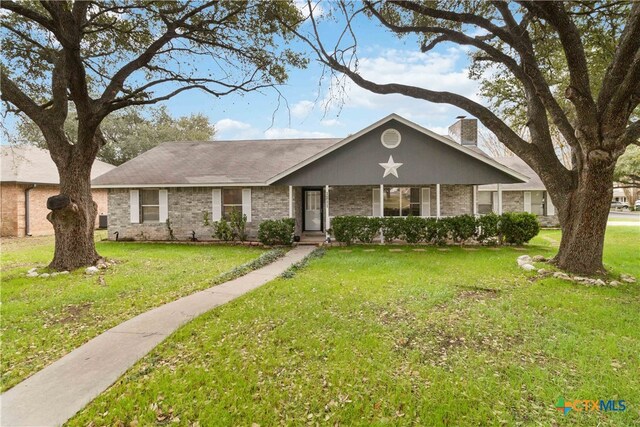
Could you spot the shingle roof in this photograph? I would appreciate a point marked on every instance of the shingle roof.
(213, 162)
(30, 164)
(513, 162)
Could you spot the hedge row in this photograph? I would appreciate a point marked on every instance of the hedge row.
(515, 228)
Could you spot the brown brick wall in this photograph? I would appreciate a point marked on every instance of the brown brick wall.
(10, 200)
(13, 215)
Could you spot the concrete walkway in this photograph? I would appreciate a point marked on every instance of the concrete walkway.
(56, 393)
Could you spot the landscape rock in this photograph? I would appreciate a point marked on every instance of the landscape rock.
(33, 270)
(32, 274)
(614, 283)
(627, 278)
(527, 267)
(91, 270)
(538, 258)
(543, 272)
(101, 265)
(561, 275)
(45, 275)
(63, 272)
(600, 282)
(524, 259)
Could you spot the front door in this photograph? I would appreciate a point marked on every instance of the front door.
(313, 210)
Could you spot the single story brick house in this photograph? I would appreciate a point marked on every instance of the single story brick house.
(393, 167)
(28, 178)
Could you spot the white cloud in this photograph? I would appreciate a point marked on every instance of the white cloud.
(294, 133)
(234, 129)
(225, 125)
(230, 129)
(434, 71)
(302, 109)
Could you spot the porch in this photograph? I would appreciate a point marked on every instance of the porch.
(314, 207)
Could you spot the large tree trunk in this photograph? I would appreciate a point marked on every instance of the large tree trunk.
(74, 223)
(583, 219)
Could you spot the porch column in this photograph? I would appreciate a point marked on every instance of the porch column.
(437, 200)
(327, 225)
(291, 201)
(499, 199)
(381, 210)
(475, 200)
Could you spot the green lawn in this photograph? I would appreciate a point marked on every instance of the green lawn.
(45, 318)
(365, 336)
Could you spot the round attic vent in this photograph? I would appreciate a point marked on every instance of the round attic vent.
(390, 138)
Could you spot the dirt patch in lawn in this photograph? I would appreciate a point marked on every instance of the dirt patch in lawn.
(71, 313)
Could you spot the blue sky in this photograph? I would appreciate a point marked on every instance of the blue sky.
(310, 113)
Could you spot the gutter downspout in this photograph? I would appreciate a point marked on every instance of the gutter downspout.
(27, 228)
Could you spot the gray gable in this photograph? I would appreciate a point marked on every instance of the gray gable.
(425, 160)
(212, 163)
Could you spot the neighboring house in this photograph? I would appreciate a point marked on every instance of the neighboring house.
(28, 178)
(392, 168)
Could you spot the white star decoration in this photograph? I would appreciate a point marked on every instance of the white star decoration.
(391, 167)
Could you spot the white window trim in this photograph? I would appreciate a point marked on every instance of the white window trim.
(134, 206)
(425, 206)
(246, 203)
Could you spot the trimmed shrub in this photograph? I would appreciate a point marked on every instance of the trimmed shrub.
(488, 228)
(274, 232)
(367, 228)
(518, 227)
(462, 227)
(437, 231)
(222, 230)
(392, 227)
(414, 229)
(345, 228)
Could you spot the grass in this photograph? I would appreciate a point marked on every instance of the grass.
(45, 318)
(365, 336)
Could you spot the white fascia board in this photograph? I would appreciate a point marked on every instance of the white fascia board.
(494, 187)
(215, 184)
(412, 125)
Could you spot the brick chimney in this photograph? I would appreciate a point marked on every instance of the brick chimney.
(464, 131)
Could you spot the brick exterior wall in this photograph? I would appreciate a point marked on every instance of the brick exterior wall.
(454, 200)
(186, 207)
(354, 200)
(186, 213)
(13, 204)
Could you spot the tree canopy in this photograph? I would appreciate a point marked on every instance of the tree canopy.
(130, 132)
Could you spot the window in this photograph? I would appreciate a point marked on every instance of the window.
(485, 202)
(537, 202)
(231, 201)
(401, 201)
(149, 206)
(390, 138)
